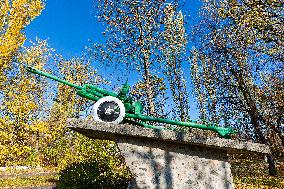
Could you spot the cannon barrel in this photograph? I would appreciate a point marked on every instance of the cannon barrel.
(86, 91)
(222, 131)
(38, 72)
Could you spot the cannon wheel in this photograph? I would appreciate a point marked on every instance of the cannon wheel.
(109, 109)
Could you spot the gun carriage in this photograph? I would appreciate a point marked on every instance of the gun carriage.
(116, 108)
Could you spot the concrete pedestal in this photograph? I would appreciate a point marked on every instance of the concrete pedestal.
(169, 159)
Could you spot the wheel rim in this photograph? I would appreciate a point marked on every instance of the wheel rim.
(109, 109)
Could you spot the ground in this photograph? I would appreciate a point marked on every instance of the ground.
(248, 173)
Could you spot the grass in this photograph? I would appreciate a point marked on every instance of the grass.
(14, 171)
(47, 180)
(247, 174)
(253, 174)
(259, 182)
(20, 178)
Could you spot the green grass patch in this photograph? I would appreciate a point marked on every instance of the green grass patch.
(31, 181)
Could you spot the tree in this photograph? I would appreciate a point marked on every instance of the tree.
(174, 50)
(137, 38)
(15, 15)
(66, 104)
(237, 68)
(133, 29)
(17, 105)
(22, 105)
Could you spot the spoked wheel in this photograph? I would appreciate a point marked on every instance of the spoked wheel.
(109, 109)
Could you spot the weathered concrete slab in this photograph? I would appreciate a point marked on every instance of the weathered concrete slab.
(168, 159)
(97, 130)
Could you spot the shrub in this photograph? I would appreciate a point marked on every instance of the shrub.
(89, 174)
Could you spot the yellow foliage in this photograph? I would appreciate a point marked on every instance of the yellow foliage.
(39, 126)
(18, 102)
(15, 15)
(78, 71)
(21, 103)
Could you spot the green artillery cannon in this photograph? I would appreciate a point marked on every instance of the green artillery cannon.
(116, 108)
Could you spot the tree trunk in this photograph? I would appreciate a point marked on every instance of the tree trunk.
(253, 112)
(271, 165)
(150, 96)
(175, 79)
(148, 83)
(270, 160)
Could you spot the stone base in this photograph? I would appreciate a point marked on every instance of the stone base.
(169, 159)
(165, 165)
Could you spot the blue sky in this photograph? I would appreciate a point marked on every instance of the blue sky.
(69, 24)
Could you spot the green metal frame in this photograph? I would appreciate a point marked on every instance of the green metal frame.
(133, 109)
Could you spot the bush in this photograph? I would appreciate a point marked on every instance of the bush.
(89, 174)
